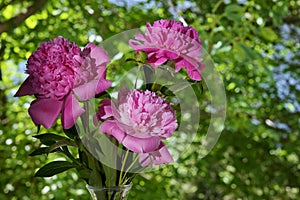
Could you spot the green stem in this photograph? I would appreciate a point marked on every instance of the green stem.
(130, 166)
(122, 168)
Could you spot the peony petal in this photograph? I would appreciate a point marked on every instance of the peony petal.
(160, 61)
(194, 74)
(99, 54)
(141, 145)
(103, 85)
(105, 109)
(161, 156)
(145, 159)
(86, 91)
(25, 89)
(168, 55)
(110, 127)
(45, 111)
(71, 111)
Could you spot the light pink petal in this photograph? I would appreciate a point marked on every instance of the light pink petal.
(71, 111)
(141, 145)
(98, 53)
(110, 127)
(103, 85)
(145, 159)
(86, 91)
(159, 157)
(135, 44)
(78, 58)
(45, 111)
(25, 89)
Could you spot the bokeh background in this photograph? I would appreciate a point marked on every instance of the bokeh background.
(255, 46)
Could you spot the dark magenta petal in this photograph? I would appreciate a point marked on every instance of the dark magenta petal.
(194, 74)
(25, 89)
(105, 110)
(71, 111)
(45, 111)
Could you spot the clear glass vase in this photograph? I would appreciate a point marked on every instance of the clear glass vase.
(109, 193)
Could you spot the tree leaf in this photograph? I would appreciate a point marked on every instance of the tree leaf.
(234, 12)
(268, 34)
(53, 168)
(248, 52)
(233, 8)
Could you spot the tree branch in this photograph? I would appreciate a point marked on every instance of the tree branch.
(19, 19)
(291, 20)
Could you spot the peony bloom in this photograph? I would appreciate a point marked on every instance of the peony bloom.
(140, 120)
(169, 40)
(59, 71)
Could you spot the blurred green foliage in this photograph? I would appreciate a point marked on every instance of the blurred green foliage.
(255, 47)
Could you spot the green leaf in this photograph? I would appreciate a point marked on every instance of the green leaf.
(248, 52)
(72, 132)
(84, 173)
(49, 138)
(234, 12)
(95, 178)
(233, 8)
(53, 168)
(60, 143)
(142, 57)
(268, 34)
(40, 151)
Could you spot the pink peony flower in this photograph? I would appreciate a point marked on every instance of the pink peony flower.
(58, 70)
(169, 40)
(140, 120)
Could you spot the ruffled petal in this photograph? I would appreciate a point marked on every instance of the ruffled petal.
(25, 89)
(71, 111)
(45, 111)
(161, 156)
(110, 127)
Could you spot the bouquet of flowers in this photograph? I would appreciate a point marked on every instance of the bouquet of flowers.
(118, 125)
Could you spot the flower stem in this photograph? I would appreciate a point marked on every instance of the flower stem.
(130, 166)
(123, 166)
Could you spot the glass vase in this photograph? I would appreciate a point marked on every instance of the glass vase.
(109, 193)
